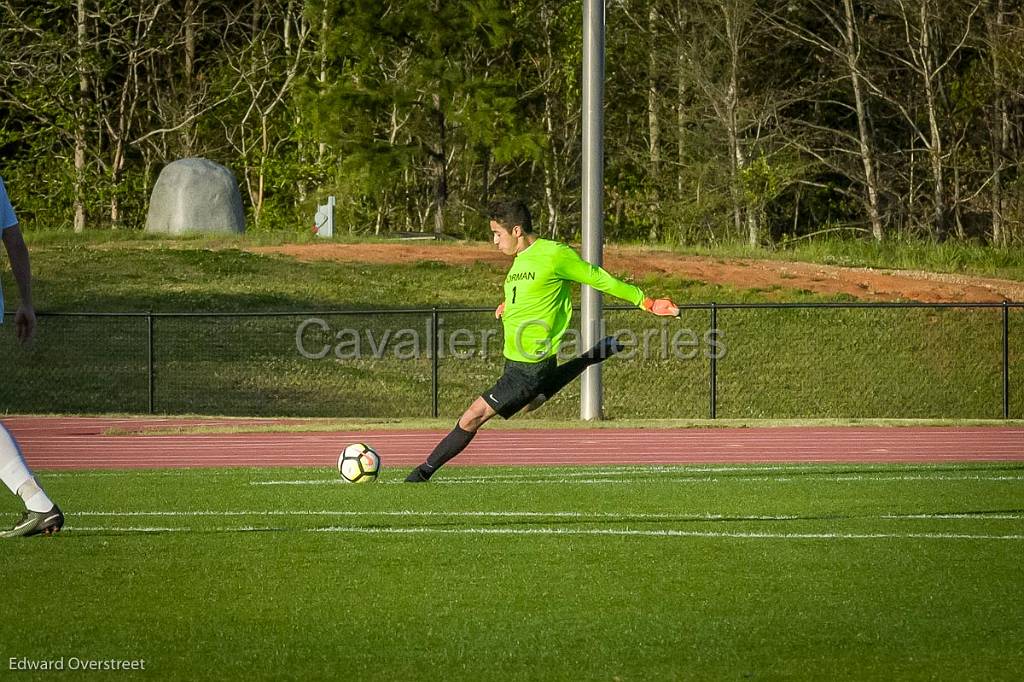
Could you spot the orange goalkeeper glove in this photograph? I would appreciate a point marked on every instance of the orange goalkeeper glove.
(499, 311)
(661, 306)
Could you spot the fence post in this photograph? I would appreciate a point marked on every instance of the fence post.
(152, 371)
(1006, 360)
(434, 344)
(714, 362)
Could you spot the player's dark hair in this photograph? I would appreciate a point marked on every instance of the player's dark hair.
(508, 214)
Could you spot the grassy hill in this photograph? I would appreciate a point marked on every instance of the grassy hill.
(774, 363)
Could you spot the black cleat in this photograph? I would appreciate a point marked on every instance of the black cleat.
(418, 475)
(36, 523)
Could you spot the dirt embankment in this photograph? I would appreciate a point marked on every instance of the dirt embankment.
(862, 283)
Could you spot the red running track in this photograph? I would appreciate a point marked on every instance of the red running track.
(84, 443)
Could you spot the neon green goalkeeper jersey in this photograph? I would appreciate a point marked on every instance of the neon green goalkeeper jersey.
(538, 297)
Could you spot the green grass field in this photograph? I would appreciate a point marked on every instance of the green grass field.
(600, 573)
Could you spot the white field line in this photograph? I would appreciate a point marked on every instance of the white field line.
(606, 532)
(447, 514)
(738, 479)
(588, 472)
(633, 516)
(637, 516)
(535, 479)
(961, 515)
(808, 469)
(552, 471)
(120, 473)
(581, 471)
(668, 533)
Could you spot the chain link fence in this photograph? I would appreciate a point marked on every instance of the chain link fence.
(848, 360)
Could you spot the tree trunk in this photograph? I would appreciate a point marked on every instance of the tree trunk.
(958, 222)
(940, 210)
(116, 167)
(301, 188)
(681, 122)
(83, 94)
(322, 79)
(381, 211)
(1000, 128)
(867, 153)
(190, 43)
(735, 191)
(653, 124)
(741, 207)
(440, 168)
(551, 172)
(735, 153)
(189, 133)
(288, 27)
(485, 171)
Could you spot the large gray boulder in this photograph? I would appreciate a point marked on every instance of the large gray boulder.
(195, 195)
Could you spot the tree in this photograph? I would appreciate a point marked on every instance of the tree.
(1003, 43)
(903, 118)
(552, 64)
(41, 116)
(933, 36)
(419, 93)
(257, 121)
(724, 73)
(835, 33)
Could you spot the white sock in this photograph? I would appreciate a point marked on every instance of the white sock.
(35, 498)
(16, 475)
(13, 470)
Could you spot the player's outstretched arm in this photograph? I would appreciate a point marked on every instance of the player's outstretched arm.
(570, 266)
(575, 268)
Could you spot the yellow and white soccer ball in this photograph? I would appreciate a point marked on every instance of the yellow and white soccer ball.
(359, 463)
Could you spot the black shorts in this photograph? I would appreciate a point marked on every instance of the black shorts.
(521, 383)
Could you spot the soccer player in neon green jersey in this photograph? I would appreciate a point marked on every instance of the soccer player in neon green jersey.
(535, 316)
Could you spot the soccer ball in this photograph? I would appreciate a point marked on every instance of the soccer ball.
(359, 463)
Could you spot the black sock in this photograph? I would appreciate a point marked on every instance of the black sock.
(567, 371)
(603, 349)
(451, 445)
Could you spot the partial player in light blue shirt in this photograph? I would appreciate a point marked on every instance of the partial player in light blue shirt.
(7, 219)
(41, 515)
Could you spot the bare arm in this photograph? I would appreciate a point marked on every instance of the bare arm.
(25, 318)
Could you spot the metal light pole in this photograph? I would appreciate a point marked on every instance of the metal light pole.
(593, 188)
